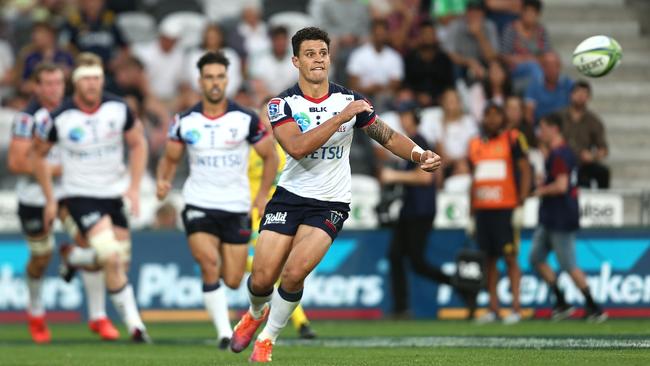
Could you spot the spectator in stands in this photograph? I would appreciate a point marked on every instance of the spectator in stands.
(166, 217)
(524, 41)
(451, 133)
(273, 71)
(253, 29)
(6, 69)
(375, 69)
(514, 110)
(42, 48)
(495, 88)
(219, 11)
(550, 94)
(503, 12)
(347, 23)
(472, 42)
(164, 61)
(92, 28)
(404, 22)
(585, 134)
(213, 40)
(428, 70)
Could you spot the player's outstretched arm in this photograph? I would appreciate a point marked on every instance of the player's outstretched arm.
(265, 148)
(167, 167)
(138, 150)
(299, 145)
(402, 146)
(43, 175)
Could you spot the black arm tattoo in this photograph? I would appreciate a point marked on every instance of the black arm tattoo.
(380, 132)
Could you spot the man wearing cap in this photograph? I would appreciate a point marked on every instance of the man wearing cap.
(92, 130)
(501, 180)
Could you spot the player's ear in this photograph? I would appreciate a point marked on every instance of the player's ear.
(294, 60)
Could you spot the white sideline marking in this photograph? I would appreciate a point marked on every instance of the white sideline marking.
(479, 342)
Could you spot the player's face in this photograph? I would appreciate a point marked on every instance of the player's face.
(89, 89)
(313, 61)
(213, 81)
(492, 121)
(51, 87)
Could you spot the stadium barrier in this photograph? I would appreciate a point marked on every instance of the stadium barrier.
(351, 282)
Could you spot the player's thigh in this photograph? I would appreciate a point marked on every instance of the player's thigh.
(309, 247)
(271, 253)
(204, 248)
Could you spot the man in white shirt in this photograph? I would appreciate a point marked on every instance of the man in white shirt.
(375, 69)
(273, 72)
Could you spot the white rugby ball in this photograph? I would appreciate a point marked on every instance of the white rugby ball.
(598, 55)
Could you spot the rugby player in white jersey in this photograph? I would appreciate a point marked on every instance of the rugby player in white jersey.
(314, 122)
(48, 94)
(218, 134)
(91, 130)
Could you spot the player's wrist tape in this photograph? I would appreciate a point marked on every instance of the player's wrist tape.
(417, 149)
(87, 71)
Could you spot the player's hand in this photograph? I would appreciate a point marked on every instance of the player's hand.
(430, 161)
(354, 108)
(387, 176)
(260, 204)
(132, 201)
(49, 214)
(162, 189)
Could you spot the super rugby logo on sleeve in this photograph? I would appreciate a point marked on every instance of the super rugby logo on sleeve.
(276, 109)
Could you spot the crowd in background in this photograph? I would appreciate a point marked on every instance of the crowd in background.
(441, 61)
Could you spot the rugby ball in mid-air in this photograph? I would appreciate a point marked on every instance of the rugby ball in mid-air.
(598, 55)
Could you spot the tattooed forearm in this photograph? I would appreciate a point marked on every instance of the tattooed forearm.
(380, 132)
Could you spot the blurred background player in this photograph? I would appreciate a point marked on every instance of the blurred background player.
(314, 122)
(218, 134)
(49, 88)
(559, 221)
(255, 171)
(500, 184)
(91, 129)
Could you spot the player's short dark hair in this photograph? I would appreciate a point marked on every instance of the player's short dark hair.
(44, 67)
(535, 4)
(212, 58)
(308, 34)
(582, 84)
(553, 119)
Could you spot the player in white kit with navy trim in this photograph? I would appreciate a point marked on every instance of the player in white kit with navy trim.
(92, 130)
(313, 121)
(218, 135)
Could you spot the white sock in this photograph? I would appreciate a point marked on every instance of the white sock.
(35, 305)
(214, 298)
(82, 256)
(257, 301)
(124, 302)
(282, 306)
(95, 286)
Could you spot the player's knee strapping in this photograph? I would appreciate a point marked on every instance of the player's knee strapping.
(41, 246)
(70, 227)
(125, 245)
(106, 245)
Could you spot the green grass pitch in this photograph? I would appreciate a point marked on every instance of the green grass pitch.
(615, 342)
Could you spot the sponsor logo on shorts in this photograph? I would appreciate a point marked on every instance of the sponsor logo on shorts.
(275, 218)
(194, 214)
(90, 219)
(334, 220)
(33, 225)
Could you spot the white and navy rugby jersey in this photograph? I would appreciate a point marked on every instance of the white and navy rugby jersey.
(92, 146)
(27, 188)
(218, 149)
(325, 173)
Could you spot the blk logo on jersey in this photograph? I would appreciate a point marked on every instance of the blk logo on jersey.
(275, 218)
(76, 134)
(192, 136)
(317, 109)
